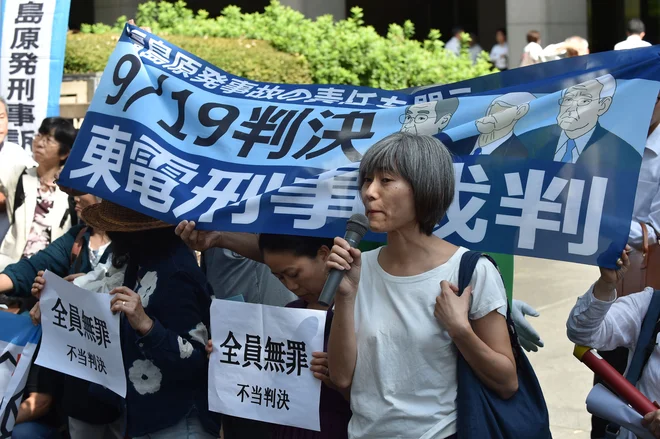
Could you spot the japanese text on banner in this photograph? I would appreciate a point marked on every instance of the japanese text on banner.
(537, 166)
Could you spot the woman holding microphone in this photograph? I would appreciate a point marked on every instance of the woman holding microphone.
(398, 319)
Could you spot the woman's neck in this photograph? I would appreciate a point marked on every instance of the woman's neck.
(47, 174)
(98, 239)
(410, 252)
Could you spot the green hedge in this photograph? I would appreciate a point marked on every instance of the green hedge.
(338, 52)
(251, 59)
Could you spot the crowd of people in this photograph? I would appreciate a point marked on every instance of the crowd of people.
(534, 52)
(393, 335)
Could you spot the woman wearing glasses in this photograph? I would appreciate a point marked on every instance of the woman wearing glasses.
(39, 212)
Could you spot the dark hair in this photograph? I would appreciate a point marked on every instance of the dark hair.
(22, 303)
(138, 246)
(503, 30)
(456, 30)
(425, 163)
(62, 131)
(635, 27)
(298, 245)
(533, 36)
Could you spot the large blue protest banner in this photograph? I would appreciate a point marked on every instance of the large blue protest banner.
(18, 342)
(32, 41)
(547, 157)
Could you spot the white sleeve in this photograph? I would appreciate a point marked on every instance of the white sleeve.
(610, 324)
(635, 237)
(493, 54)
(488, 293)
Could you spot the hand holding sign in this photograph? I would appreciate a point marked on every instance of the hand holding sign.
(129, 302)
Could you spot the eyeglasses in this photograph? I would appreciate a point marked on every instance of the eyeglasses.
(580, 102)
(407, 118)
(49, 140)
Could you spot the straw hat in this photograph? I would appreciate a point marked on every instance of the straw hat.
(111, 217)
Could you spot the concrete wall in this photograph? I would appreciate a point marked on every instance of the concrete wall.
(556, 20)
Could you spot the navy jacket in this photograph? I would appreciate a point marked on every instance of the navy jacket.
(166, 370)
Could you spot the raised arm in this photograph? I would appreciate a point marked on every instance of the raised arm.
(245, 244)
(17, 279)
(600, 321)
(342, 344)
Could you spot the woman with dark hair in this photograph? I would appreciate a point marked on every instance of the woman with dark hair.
(39, 212)
(299, 262)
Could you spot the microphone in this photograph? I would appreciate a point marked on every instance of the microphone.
(356, 228)
(615, 380)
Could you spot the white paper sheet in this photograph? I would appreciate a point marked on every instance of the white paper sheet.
(270, 391)
(80, 334)
(605, 404)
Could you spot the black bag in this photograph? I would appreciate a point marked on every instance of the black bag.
(482, 413)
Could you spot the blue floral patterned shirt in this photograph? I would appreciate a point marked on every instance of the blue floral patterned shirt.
(166, 369)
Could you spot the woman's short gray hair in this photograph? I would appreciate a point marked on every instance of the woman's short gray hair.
(3, 101)
(425, 163)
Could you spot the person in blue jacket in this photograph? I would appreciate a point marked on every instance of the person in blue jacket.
(164, 304)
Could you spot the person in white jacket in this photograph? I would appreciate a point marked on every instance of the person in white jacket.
(39, 211)
(10, 154)
(602, 320)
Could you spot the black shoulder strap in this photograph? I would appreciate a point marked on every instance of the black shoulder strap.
(647, 340)
(19, 195)
(466, 268)
(469, 262)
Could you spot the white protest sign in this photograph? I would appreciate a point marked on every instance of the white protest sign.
(259, 368)
(80, 335)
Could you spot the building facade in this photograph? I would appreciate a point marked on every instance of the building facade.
(602, 22)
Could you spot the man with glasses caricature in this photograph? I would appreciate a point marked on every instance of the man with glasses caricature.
(582, 139)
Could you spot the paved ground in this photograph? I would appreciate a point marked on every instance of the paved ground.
(552, 288)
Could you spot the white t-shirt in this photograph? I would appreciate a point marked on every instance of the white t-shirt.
(499, 55)
(632, 42)
(404, 385)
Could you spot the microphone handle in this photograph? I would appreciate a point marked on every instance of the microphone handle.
(335, 276)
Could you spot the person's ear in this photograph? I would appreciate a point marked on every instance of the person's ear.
(604, 105)
(323, 253)
(522, 111)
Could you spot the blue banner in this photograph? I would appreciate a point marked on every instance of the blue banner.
(18, 343)
(547, 157)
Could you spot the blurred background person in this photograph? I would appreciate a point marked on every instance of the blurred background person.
(570, 47)
(499, 54)
(533, 51)
(455, 42)
(474, 48)
(635, 30)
